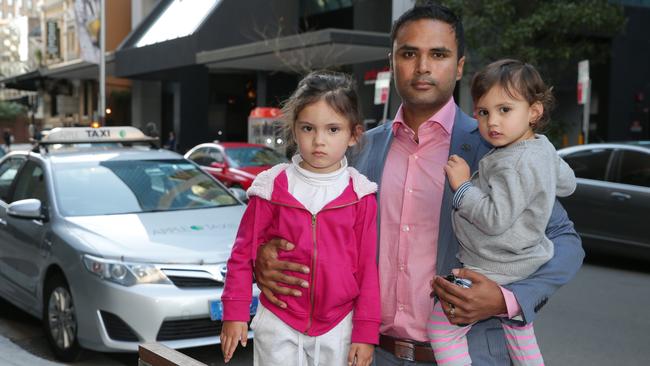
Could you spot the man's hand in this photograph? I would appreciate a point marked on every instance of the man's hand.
(360, 354)
(231, 333)
(457, 171)
(268, 272)
(483, 300)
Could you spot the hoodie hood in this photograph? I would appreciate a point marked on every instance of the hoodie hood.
(263, 186)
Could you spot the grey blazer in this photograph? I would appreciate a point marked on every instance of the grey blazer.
(486, 339)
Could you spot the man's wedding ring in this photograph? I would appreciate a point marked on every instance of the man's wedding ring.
(452, 311)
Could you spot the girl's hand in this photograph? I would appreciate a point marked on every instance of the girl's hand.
(231, 333)
(360, 354)
(457, 171)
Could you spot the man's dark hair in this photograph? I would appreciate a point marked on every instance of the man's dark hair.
(434, 12)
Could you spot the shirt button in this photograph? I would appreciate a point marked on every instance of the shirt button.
(415, 157)
(400, 307)
(401, 267)
(406, 228)
(409, 190)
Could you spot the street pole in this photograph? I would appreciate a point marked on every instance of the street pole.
(586, 113)
(102, 64)
(384, 115)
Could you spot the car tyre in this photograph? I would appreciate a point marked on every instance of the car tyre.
(60, 320)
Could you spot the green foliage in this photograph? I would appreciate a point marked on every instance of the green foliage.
(10, 110)
(550, 34)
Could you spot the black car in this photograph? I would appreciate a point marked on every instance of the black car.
(611, 205)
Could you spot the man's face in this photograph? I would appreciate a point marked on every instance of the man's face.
(425, 64)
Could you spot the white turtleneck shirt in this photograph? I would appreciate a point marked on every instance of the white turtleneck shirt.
(315, 190)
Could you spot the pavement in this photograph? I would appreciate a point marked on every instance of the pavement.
(14, 355)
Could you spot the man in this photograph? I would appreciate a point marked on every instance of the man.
(406, 157)
(7, 137)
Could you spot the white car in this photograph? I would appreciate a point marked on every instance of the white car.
(113, 244)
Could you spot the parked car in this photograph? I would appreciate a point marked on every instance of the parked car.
(113, 245)
(235, 164)
(611, 205)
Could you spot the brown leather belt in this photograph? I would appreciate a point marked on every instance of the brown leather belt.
(405, 349)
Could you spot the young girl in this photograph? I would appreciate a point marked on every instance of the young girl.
(328, 211)
(501, 212)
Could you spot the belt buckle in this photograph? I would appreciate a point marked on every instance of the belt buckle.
(405, 351)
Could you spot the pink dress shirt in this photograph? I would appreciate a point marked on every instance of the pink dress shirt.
(410, 199)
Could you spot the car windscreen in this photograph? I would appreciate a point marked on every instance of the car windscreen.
(253, 156)
(135, 186)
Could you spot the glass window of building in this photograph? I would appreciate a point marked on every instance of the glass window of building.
(321, 14)
(179, 19)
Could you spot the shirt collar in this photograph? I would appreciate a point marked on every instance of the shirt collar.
(444, 117)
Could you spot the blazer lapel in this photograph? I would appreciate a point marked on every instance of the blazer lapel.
(465, 142)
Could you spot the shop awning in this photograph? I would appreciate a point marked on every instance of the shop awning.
(78, 69)
(26, 81)
(311, 50)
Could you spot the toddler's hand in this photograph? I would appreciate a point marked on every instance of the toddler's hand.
(360, 354)
(231, 333)
(457, 171)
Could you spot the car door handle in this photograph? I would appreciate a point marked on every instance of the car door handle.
(620, 196)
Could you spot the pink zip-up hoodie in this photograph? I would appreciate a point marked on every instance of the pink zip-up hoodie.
(338, 244)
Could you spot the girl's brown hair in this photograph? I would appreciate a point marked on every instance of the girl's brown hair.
(519, 80)
(335, 88)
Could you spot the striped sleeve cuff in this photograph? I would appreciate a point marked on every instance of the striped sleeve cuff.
(460, 192)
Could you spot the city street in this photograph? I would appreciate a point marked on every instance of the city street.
(600, 318)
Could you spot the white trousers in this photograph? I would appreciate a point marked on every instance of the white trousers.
(276, 343)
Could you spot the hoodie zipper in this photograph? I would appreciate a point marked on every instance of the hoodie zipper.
(313, 273)
(314, 256)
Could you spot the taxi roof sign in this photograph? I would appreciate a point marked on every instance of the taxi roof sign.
(71, 135)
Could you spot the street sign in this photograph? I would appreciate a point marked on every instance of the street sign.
(382, 87)
(583, 81)
(584, 98)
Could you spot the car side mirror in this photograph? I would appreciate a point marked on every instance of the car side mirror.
(239, 193)
(218, 165)
(30, 208)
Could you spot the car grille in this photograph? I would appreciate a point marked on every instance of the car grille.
(171, 330)
(117, 329)
(194, 282)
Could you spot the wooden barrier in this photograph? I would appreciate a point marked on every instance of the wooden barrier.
(156, 354)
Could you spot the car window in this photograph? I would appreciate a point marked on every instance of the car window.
(195, 155)
(589, 164)
(30, 183)
(634, 168)
(214, 156)
(134, 186)
(200, 156)
(8, 171)
(254, 156)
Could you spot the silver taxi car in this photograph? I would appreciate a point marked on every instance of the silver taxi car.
(113, 244)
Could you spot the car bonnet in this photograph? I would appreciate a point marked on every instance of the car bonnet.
(184, 236)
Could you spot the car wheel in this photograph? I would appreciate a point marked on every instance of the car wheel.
(60, 320)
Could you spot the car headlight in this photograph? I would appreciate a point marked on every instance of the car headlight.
(123, 273)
